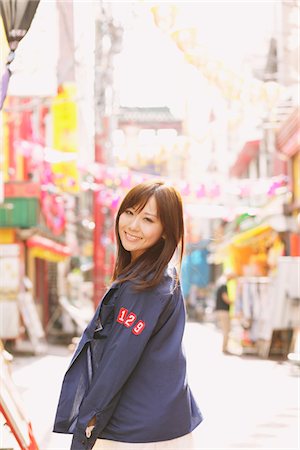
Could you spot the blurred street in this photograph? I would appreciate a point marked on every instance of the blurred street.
(247, 402)
(97, 97)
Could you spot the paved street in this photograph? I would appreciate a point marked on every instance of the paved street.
(247, 402)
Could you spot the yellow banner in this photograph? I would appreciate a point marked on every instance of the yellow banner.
(65, 119)
(65, 137)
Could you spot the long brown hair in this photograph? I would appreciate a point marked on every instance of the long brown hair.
(147, 270)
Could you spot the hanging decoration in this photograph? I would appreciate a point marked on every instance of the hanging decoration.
(111, 182)
(233, 85)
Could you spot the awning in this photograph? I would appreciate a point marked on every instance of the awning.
(44, 248)
(288, 136)
(248, 237)
(246, 155)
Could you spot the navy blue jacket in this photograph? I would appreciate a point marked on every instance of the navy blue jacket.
(134, 379)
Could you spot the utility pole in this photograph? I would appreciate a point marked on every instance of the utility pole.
(107, 43)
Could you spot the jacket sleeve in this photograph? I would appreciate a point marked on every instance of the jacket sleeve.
(136, 317)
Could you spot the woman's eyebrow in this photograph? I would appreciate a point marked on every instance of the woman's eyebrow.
(150, 214)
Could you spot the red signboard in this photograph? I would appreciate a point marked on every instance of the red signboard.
(48, 244)
(21, 189)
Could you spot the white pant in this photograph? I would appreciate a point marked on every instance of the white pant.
(182, 443)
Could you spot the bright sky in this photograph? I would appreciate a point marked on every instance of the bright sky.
(150, 69)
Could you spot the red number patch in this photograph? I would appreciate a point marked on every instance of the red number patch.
(128, 319)
(122, 315)
(138, 328)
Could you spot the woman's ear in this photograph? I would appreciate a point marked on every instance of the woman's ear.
(163, 236)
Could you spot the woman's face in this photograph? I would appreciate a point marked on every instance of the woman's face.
(140, 230)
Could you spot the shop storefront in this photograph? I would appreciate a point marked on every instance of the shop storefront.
(43, 256)
(11, 271)
(288, 144)
(31, 291)
(264, 291)
(253, 256)
(20, 210)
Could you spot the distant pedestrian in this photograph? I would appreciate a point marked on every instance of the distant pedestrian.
(223, 309)
(126, 386)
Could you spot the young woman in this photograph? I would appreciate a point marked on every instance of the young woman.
(126, 386)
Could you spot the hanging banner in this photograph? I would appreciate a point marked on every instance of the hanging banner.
(65, 120)
(65, 137)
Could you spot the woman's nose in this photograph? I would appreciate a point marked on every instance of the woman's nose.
(134, 223)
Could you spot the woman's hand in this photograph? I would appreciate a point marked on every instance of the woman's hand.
(90, 427)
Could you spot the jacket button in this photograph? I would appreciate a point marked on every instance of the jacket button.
(83, 442)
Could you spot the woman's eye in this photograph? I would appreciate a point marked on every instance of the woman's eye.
(148, 220)
(128, 212)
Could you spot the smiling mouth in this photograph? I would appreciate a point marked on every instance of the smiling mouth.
(131, 237)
